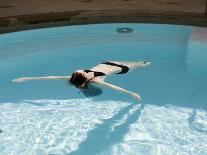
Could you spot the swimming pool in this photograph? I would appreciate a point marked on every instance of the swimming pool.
(51, 117)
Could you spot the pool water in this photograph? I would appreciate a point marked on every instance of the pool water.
(51, 117)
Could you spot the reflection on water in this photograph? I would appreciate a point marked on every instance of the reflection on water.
(51, 126)
(165, 130)
(104, 127)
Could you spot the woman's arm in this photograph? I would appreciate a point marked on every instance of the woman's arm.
(135, 95)
(23, 79)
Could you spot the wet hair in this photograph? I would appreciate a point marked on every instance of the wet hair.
(77, 79)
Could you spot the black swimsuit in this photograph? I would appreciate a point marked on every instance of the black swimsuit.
(125, 69)
(95, 73)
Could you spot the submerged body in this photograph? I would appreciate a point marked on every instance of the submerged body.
(97, 74)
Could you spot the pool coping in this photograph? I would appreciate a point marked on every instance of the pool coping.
(80, 17)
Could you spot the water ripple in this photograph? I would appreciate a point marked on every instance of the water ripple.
(51, 126)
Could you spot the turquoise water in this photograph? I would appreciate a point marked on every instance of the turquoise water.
(51, 117)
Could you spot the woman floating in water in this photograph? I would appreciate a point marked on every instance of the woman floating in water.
(83, 78)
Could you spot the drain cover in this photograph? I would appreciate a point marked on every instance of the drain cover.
(124, 30)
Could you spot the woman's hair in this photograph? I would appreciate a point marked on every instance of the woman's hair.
(78, 80)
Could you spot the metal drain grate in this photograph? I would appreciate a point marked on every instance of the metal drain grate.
(124, 30)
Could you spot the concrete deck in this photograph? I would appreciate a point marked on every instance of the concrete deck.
(24, 14)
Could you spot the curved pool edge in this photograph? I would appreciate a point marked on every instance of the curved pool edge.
(52, 118)
(55, 19)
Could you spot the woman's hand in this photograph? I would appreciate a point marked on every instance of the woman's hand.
(137, 96)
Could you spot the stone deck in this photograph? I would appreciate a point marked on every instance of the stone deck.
(26, 14)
